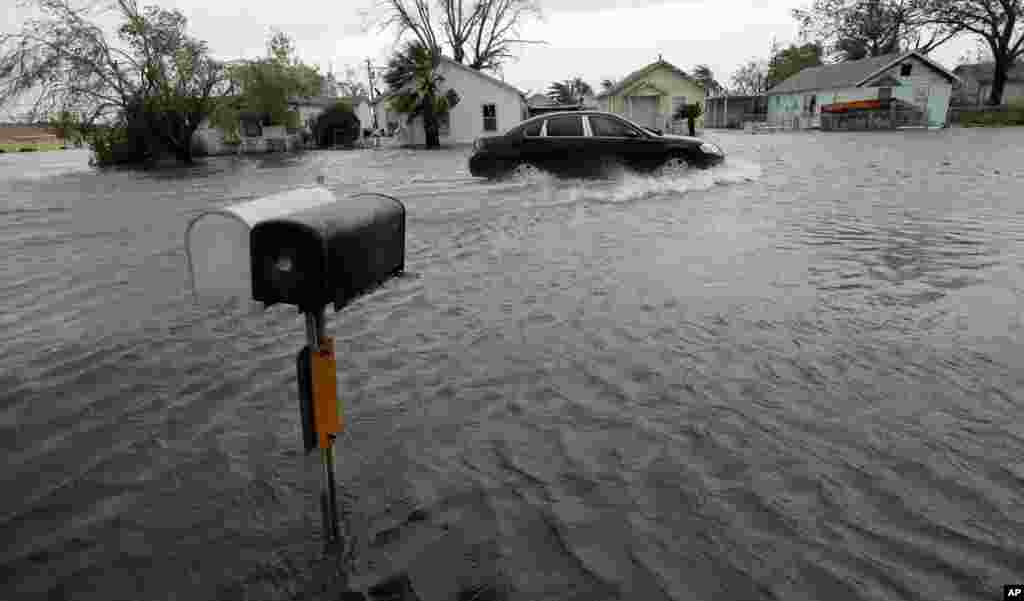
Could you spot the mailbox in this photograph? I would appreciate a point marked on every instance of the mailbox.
(217, 241)
(304, 247)
(329, 253)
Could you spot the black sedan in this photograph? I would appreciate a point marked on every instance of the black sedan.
(587, 143)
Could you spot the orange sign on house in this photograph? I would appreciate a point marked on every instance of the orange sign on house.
(855, 105)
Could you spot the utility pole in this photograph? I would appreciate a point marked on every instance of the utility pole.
(370, 77)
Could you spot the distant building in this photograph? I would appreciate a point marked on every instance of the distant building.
(734, 111)
(538, 100)
(651, 95)
(870, 91)
(976, 84)
(28, 134)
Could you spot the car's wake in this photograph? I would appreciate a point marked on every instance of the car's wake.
(628, 186)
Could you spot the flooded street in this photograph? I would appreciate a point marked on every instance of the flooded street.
(796, 376)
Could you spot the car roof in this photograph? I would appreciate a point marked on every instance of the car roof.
(563, 113)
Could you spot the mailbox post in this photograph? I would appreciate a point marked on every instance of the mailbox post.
(308, 249)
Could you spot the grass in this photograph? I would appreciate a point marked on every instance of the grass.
(17, 146)
(1012, 116)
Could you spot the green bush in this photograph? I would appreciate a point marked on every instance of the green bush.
(28, 149)
(337, 125)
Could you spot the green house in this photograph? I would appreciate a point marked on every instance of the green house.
(649, 96)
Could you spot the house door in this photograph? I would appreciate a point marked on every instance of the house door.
(921, 94)
(645, 110)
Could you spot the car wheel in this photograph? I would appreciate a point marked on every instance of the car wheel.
(525, 171)
(674, 166)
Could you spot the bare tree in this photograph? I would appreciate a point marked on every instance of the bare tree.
(496, 31)
(750, 79)
(1000, 23)
(481, 35)
(856, 29)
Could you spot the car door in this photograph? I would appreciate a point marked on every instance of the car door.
(532, 145)
(620, 143)
(562, 148)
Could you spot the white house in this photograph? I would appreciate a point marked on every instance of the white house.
(486, 106)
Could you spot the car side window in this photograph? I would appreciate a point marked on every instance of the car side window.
(565, 126)
(533, 130)
(605, 127)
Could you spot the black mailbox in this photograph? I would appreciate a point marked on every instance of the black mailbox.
(328, 254)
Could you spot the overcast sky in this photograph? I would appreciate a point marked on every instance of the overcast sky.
(593, 39)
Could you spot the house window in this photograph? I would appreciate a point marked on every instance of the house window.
(444, 123)
(905, 69)
(490, 117)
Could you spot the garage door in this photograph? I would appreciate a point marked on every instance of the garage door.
(645, 110)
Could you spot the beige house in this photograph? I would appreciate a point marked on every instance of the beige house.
(650, 96)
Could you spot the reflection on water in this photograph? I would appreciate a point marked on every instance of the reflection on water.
(794, 376)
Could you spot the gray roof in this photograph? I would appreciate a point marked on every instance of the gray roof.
(839, 75)
(485, 77)
(983, 72)
(847, 74)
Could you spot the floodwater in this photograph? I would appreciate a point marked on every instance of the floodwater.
(797, 376)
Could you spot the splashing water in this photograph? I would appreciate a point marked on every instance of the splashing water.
(628, 186)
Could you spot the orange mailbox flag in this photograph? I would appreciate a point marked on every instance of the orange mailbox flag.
(326, 409)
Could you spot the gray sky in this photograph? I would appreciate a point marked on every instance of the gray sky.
(593, 39)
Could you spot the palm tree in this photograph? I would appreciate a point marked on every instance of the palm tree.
(569, 91)
(704, 76)
(413, 72)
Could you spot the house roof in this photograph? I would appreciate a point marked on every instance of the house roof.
(484, 76)
(480, 74)
(640, 73)
(849, 74)
(983, 72)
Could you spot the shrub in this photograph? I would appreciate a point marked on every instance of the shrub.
(27, 149)
(337, 125)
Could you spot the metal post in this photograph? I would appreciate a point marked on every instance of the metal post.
(328, 492)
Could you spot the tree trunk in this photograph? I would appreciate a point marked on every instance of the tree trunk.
(690, 124)
(430, 125)
(995, 97)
